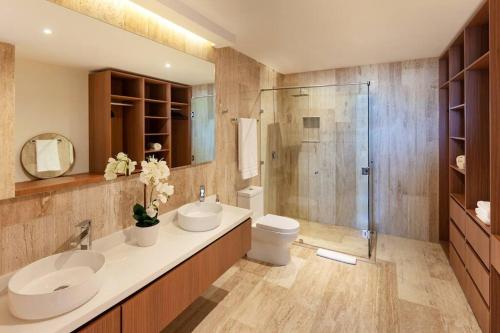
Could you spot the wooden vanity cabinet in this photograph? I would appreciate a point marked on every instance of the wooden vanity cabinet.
(109, 322)
(156, 305)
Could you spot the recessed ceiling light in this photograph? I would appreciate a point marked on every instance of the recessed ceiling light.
(47, 31)
(168, 65)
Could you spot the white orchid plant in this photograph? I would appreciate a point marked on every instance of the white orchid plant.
(154, 176)
(121, 165)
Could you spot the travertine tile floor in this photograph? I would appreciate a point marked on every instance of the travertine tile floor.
(409, 288)
(333, 237)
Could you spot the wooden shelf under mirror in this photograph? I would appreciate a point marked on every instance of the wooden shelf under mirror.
(129, 112)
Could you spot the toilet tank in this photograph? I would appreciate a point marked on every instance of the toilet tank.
(252, 198)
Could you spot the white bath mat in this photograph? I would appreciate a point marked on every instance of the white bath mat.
(345, 258)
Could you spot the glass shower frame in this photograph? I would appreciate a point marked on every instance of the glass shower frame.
(310, 146)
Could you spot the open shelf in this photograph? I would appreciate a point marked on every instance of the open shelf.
(459, 197)
(456, 56)
(457, 94)
(483, 63)
(459, 76)
(454, 167)
(128, 112)
(458, 107)
(444, 71)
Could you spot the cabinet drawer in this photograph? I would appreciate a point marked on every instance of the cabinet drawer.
(458, 240)
(478, 273)
(478, 305)
(458, 267)
(495, 252)
(110, 322)
(458, 215)
(479, 240)
(154, 307)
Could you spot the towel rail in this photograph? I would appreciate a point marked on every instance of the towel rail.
(235, 120)
(34, 141)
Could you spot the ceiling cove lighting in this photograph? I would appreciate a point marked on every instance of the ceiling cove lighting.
(168, 23)
(47, 31)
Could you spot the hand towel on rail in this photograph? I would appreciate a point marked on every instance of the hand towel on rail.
(247, 148)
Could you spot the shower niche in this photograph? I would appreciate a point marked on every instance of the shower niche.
(311, 129)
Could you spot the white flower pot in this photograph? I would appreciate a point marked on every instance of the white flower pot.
(147, 236)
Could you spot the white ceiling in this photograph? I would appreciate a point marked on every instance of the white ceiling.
(82, 42)
(299, 35)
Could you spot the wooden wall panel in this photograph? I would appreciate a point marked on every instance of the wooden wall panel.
(404, 143)
(124, 14)
(7, 61)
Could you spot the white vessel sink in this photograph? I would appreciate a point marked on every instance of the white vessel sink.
(55, 285)
(200, 216)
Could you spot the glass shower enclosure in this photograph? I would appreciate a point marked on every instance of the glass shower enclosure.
(314, 147)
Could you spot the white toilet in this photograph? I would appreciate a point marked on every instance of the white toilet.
(272, 235)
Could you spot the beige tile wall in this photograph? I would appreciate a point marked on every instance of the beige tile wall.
(7, 101)
(404, 145)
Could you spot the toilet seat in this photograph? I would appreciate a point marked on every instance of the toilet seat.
(277, 223)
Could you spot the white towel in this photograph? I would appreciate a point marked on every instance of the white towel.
(47, 155)
(482, 216)
(484, 205)
(247, 148)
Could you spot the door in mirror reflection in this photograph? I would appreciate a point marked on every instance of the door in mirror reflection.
(203, 130)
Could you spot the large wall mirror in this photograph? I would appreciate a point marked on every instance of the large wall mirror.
(105, 89)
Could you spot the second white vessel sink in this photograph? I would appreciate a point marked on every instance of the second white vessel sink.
(55, 285)
(200, 216)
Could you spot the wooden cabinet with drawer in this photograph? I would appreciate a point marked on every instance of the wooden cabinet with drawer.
(479, 240)
(458, 267)
(154, 307)
(479, 273)
(458, 215)
(109, 322)
(458, 240)
(477, 305)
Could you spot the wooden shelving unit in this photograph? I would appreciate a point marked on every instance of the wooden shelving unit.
(464, 108)
(129, 112)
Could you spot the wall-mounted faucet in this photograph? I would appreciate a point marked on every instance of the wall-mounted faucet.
(85, 236)
(202, 193)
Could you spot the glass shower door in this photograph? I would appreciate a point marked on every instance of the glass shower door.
(314, 148)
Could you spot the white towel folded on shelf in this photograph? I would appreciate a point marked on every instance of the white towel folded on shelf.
(484, 205)
(247, 148)
(483, 215)
(47, 155)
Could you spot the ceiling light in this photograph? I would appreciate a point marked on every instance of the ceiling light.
(47, 31)
(168, 65)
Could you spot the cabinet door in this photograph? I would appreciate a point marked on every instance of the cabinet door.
(110, 322)
(153, 308)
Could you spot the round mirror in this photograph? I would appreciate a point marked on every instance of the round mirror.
(47, 155)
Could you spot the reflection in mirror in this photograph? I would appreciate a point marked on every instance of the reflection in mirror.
(203, 124)
(47, 155)
(106, 89)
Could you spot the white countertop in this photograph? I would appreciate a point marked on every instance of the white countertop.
(128, 268)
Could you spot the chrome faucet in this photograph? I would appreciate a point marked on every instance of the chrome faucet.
(85, 237)
(202, 193)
